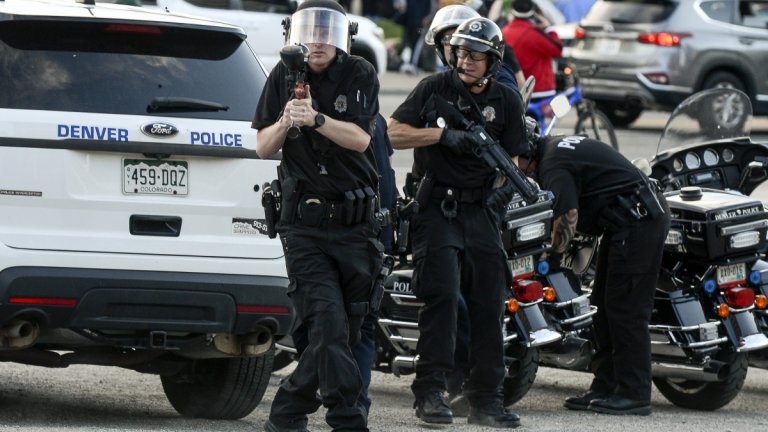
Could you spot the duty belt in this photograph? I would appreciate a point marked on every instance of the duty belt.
(460, 195)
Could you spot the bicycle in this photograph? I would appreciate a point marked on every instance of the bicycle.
(591, 121)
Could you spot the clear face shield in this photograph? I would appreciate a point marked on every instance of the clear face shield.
(319, 25)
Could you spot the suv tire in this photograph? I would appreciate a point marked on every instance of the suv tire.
(620, 114)
(718, 118)
(219, 389)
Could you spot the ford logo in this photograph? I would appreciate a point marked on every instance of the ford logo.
(160, 130)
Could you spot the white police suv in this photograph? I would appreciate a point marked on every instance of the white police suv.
(131, 227)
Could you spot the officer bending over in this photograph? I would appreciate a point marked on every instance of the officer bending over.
(327, 224)
(599, 192)
(455, 235)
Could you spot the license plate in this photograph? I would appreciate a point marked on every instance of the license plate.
(731, 275)
(607, 46)
(522, 267)
(155, 177)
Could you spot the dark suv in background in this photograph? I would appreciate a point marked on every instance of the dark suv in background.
(653, 54)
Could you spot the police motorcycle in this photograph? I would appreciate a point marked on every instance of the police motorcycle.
(710, 303)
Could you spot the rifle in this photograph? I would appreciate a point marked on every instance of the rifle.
(294, 57)
(487, 149)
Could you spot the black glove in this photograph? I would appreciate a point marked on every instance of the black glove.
(461, 142)
(500, 197)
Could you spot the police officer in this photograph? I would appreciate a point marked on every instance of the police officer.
(599, 192)
(441, 29)
(455, 235)
(327, 224)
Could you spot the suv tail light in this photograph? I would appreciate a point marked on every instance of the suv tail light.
(527, 290)
(663, 39)
(579, 33)
(740, 297)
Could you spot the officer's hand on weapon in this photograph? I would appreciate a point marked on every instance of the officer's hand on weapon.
(500, 197)
(459, 141)
(300, 111)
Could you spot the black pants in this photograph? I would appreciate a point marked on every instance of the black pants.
(625, 281)
(464, 255)
(328, 267)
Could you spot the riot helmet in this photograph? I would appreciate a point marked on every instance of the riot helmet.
(320, 21)
(480, 35)
(447, 18)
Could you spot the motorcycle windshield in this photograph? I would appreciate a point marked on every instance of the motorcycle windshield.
(713, 114)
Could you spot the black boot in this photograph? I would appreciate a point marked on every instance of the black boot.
(619, 405)
(581, 402)
(494, 415)
(432, 408)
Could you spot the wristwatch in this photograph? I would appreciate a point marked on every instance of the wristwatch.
(319, 121)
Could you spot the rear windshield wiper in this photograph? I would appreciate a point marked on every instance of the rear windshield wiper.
(174, 103)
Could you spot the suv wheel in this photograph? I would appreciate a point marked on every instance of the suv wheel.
(219, 389)
(726, 114)
(620, 114)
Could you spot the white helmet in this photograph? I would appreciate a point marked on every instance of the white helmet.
(447, 18)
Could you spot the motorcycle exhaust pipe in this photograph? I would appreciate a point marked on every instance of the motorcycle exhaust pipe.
(712, 371)
(573, 353)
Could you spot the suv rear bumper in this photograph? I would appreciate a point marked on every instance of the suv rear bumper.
(152, 301)
(638, 91)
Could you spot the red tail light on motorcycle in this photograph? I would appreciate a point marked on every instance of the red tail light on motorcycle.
(528, 291)
(739, 297)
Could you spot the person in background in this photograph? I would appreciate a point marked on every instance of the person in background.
(327, 224)
(599, 192)
(457, 248)
(535, 48)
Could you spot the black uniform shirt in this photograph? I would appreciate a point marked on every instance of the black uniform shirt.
(584, 174)
(501, 111)
(348, 90)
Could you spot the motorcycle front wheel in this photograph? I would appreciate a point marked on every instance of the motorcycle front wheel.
(707, 396)
(522, 366)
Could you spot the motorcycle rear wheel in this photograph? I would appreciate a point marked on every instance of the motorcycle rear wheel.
(521, 372)
(707, 396)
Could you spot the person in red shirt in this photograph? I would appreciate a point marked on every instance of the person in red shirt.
(534, 46)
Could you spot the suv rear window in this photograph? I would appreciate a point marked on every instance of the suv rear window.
(47, 65)
(631, 11)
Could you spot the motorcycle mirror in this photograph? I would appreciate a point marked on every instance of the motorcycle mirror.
(560, 105)
(527, 90)
(643, 165)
